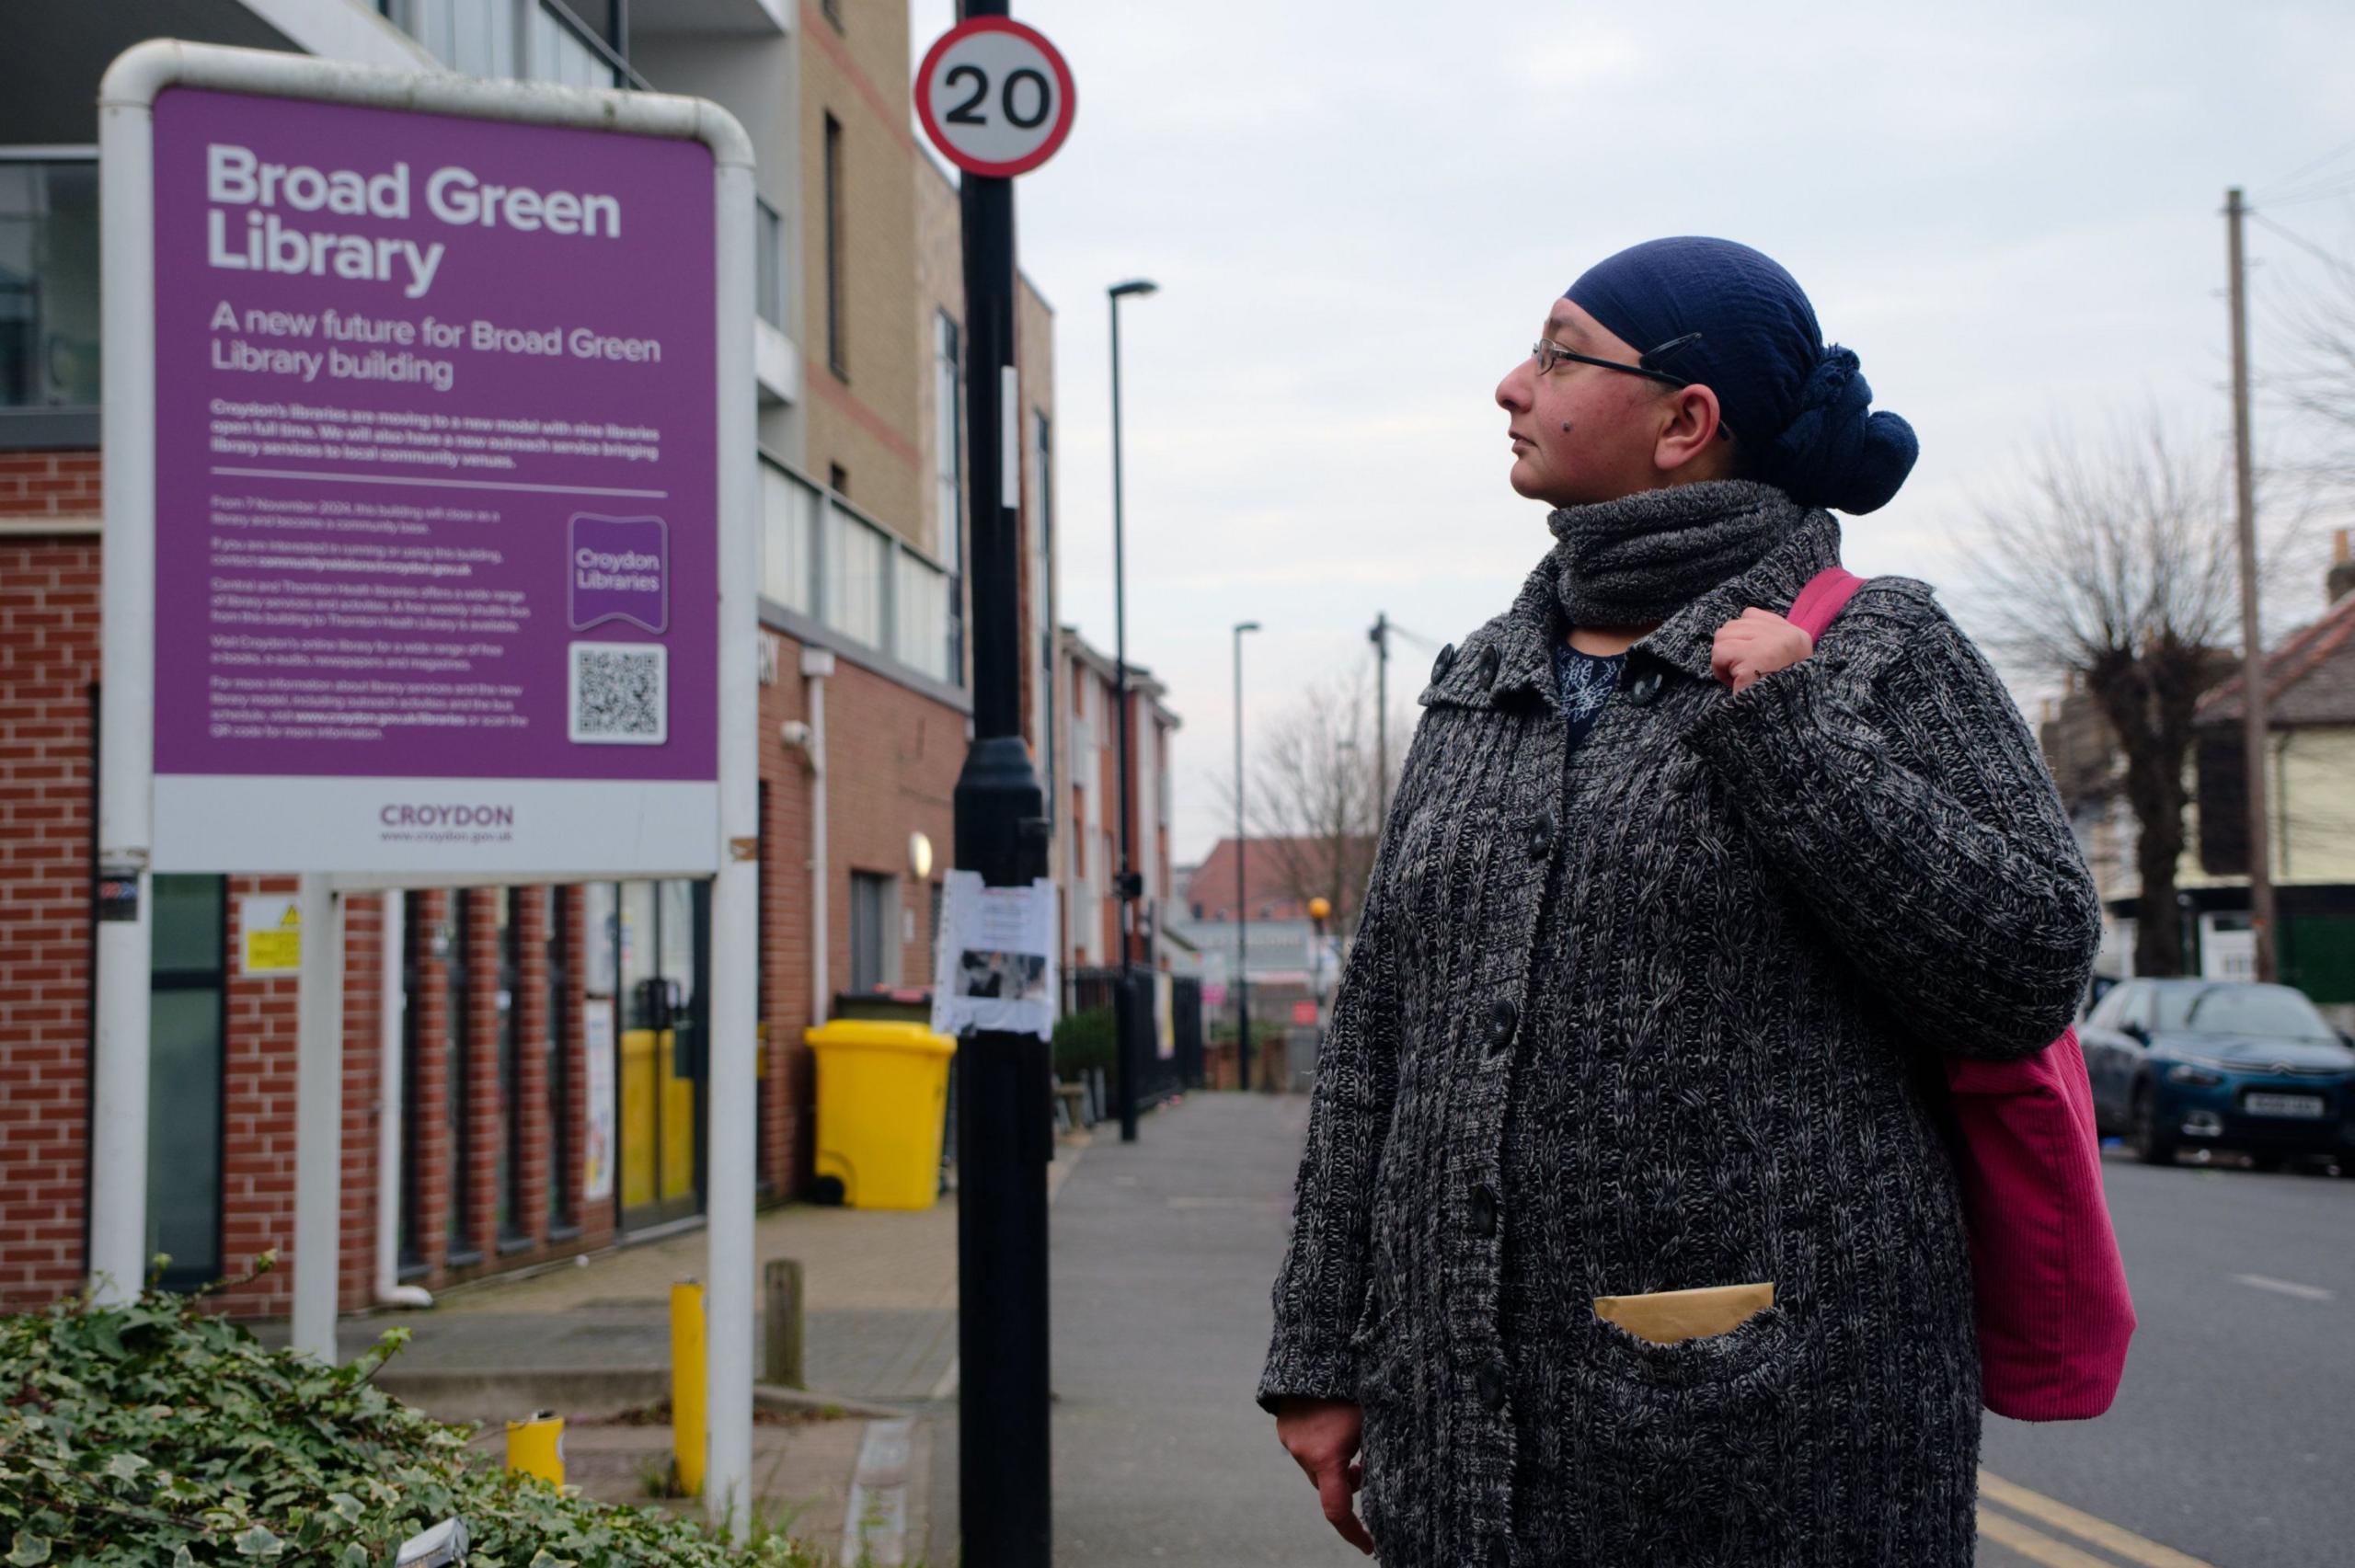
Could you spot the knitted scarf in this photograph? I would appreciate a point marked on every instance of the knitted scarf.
(1638, 560)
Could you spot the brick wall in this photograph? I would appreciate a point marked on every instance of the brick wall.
(857, 72)
(893, 758)
(48, 658)
(48, 485)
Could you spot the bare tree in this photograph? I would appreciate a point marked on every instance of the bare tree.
(1311, 795)
(2313, 315)
(2112, 560)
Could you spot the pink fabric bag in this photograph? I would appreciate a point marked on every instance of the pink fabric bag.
(2054, 1316)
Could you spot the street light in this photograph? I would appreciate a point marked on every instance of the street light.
(1130, 884)
(1242, 908)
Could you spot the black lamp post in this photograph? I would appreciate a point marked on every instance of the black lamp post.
(1242, 906)
(1126, 1012)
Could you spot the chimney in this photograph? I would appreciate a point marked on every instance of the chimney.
(2340, 579)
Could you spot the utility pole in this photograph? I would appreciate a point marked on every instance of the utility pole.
(2253, 691)
(1380, 637)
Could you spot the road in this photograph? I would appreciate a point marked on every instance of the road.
(2233, 1439)
(2232, 1444)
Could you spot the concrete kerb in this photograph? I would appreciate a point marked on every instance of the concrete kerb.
(587, 1393)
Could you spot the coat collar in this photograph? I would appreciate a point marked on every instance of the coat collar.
(1514, 653)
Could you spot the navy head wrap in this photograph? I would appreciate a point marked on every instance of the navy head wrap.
(1800, 408)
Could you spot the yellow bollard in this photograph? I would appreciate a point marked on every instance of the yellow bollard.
(536, 1446)
(688, 1437)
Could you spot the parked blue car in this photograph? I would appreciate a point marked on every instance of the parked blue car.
(2219, 1064)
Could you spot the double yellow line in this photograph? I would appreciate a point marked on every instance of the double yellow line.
(2050, 1552)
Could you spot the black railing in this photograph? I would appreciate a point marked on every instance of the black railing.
(1160, 1076)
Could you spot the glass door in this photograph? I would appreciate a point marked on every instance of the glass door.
(659, 965)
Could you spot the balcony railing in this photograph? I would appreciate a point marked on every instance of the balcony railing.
(822, 557)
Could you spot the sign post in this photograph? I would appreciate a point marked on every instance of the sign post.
(429, 553)
(998, 99)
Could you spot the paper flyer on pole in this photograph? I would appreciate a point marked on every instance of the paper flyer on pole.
(994, 960)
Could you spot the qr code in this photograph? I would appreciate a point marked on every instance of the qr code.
(620, 693)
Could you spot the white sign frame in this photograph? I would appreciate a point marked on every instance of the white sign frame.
(126, 809)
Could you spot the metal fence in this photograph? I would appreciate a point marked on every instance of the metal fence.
(1159, 1077)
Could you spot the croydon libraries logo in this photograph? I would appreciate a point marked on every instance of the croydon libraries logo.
(407, 823)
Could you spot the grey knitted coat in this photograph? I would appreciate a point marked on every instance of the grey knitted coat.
(1665, 1013)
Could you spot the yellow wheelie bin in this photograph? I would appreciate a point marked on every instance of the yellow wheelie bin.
(882, 1087)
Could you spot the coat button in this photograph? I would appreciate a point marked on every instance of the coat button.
(1443, 664)
(1644, 687)
(1500, 1022)
(1490, 1380)
(1499, 1553)
(1541, 835)
(1484, 1211)
(1490, 660)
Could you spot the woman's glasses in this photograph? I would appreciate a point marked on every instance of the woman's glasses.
(1549, 353)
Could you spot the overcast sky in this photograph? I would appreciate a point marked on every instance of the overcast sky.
(1359, 214)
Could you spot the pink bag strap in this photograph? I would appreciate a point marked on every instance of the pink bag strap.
(1825, 595)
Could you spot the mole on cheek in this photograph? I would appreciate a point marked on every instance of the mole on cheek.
(1566, 426)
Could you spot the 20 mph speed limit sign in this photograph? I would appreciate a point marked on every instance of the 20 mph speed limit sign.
(995, 96)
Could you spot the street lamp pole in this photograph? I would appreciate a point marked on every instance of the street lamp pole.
(1242, 906)
(1125, 1011)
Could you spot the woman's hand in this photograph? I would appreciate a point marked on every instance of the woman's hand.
(1321, 1434)
(1759, 644)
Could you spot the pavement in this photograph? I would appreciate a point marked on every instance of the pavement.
(846, 1463)
(2227, 1447)
(1163, 1253)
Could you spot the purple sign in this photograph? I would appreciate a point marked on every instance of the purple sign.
(433, 397)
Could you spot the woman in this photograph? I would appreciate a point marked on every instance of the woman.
(1672, 913)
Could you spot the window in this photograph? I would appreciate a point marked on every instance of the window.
(2275, 1011)
(834, 10)
(458, 1064)
(768, 263)
(1078, 833)
(556, 1042)
(946, 380)
(49, 284)
(837, 359)
(870, 932)
(187, 1032)
(838, 479)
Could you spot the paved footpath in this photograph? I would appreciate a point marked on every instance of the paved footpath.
(1164, 1252)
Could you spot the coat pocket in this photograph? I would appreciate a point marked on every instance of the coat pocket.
(1698, 1362)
